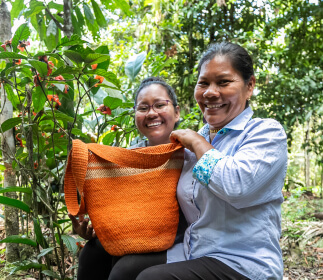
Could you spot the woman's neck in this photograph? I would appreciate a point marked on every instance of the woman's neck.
(156, 143)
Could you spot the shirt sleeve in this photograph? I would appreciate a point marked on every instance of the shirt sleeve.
(254, 173)
(203, 169)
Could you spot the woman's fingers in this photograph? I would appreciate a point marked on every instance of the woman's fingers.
(82, 227)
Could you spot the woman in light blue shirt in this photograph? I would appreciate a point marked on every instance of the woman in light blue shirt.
(230, 187)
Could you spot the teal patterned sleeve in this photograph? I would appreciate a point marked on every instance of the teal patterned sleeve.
(202, 171)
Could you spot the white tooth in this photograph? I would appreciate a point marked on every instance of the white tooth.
(154, 124)
(214, 106)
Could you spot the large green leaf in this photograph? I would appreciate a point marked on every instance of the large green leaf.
(44, 252)
(67, 70)
(51, 273)
(109, 76)
(134, 65)
(105, 64)
(88, 14)
(109, 138)
(28, 266)
(98, 14)
(57, 7)
(93, 58)
(74, 56)
(20, 240)
(79, 16)
(74, 40)
(22, 33)
(39, 99)
(35, 7)
(90, 21)
(76, 26)
(15, 189)
(39, 234)
(11, 55)
(14, 203)
(40, 66)
(10, 123)
(17, 6)
(112, 102)
(70, 243)
(124, 6)
(11, 95)
(58, 116)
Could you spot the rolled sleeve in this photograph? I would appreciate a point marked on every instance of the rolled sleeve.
(203, 169)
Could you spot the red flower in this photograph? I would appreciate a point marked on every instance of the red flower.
(22, 45)
(114, 127)
(104, 109)
(54, 98)
(50, 67)
(35, 164)
(19, 140)
(59, 78)
(18, 62)
(100, 78)
(94, 66)
(66, 89)
(4, 46)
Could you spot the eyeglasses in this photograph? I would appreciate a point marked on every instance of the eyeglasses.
(159, 107)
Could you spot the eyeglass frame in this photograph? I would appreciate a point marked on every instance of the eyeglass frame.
(152, 106)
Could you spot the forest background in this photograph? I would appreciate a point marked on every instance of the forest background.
(69, 68)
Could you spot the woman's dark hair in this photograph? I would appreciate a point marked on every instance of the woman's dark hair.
(239, 57)
(157, 81)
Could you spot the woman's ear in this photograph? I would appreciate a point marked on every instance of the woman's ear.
(177, 113)
(251, 86)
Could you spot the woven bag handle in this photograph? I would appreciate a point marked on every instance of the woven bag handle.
(143, 158)
(75, 177)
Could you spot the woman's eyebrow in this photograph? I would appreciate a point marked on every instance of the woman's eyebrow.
(220, 76)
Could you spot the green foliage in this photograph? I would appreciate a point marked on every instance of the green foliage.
(19, 239)
(56, 91)
(134, 65)
(14, 203)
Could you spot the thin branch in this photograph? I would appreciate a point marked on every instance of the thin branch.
(55, 20)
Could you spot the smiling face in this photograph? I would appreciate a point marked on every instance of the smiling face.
(156, 126)
(221, 91)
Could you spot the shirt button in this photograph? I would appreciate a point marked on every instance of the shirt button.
(192, 200)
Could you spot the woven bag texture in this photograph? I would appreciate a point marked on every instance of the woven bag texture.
(130, 195)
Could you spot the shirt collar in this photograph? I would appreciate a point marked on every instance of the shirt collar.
(238, 123)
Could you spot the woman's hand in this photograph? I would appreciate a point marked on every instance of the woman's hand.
(191, 140)
(82, 228)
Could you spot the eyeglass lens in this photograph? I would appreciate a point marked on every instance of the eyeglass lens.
(158, 107)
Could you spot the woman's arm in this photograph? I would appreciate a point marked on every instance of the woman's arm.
(252, 175)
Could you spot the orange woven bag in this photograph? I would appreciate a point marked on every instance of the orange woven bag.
(130, 195)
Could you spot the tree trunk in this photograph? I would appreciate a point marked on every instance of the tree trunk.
(8, 147)
(68, 27)
(307, 159)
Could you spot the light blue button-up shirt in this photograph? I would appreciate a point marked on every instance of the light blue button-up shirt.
(232, 196)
